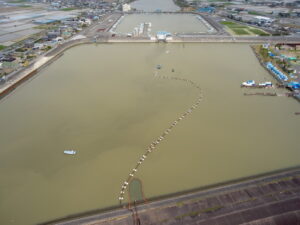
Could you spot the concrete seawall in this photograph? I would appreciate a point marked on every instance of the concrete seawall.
(24, 74)
(240, 198)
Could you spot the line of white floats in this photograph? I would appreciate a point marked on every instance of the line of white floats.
(154, 144)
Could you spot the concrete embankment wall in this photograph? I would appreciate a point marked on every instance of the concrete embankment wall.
(175, 201)
(54, 54)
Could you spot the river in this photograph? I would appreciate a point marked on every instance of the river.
(105, 102)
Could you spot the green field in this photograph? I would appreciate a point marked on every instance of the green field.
(240, 29)
(17, 1)
(233, 25)
(258, 32)
(67, 9)
(2, 47)
(254, 13)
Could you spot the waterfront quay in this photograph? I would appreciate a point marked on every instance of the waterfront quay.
(267, 199)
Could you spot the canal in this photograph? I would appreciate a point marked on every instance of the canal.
(105, 102)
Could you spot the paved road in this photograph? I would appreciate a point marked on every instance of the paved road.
(250, 39)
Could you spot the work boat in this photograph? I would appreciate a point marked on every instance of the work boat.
(265, 84)
(70, 152)
(248, 83)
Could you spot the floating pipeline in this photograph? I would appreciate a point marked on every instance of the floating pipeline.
(152, 147)
(276, 72)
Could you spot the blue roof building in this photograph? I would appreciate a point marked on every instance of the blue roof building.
(294, 85)
(206, 9)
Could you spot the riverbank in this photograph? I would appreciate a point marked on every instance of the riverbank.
(263, 198)
(263, 63)
(17, 78)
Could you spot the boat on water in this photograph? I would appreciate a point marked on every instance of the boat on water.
(265, 84)
(251, 83)
(248, 83)
(70, 152)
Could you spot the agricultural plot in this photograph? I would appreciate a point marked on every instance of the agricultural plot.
(239, 29)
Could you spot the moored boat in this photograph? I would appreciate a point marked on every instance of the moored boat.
(70, 152)
(265, 84)
(248, 83)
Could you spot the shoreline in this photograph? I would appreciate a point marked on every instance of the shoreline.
(114, 213)
(18, 77)
(262, 63)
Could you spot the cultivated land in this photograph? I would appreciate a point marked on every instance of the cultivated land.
(239, 29)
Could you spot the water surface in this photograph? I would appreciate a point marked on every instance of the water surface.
(155, 5)
(173, 23)
(104, 102)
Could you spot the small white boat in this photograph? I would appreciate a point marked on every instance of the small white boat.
(248, 83)
(70, 152)
(265, 84)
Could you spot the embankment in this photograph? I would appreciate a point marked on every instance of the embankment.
(17, 78)
(262, 63)
(266, 197)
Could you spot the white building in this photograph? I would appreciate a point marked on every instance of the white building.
(126, 7)
(163, 36)
(263, 19)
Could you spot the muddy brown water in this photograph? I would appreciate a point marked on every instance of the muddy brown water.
(104, 102)
(173, 23)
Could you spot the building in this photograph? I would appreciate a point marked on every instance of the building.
(206, 9)
(263, 20)
(163, 36)
(126, 7)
